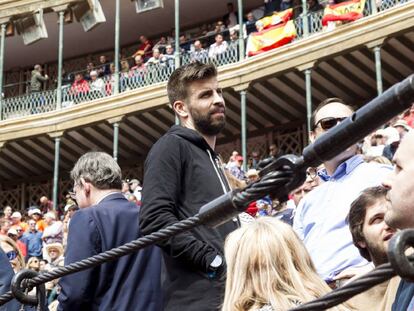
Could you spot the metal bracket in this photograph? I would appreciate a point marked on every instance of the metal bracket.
(396, 254)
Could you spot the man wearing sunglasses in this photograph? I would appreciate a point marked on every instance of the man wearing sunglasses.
(320, 218)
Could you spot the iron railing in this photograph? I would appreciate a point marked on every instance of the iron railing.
(152, 73)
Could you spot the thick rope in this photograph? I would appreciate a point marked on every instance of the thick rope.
(110, 255)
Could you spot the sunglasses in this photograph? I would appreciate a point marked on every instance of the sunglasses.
(328, 123)
(11, 255)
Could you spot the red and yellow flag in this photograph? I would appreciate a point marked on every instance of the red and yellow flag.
(270, 38)
(275, 19)
(345, 11)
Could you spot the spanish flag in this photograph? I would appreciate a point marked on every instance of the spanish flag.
(345, 11)
(276, 19)
(270, 38)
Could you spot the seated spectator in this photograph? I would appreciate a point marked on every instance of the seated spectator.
(124, 75)
(161, 45)
(185, 45)
(198, 53)
(169, 57)
(320, 218)
(234, 39)
(103, 67)
(144, 49)
(97, 85)
(218, 48)
(138, 71)
(80, 87)
(156, 59)
(250, 23)
(268, 268)
(89, 68)
(371, 235)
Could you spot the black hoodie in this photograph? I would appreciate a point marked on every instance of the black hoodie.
(182, 173)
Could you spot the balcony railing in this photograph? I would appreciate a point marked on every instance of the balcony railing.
(150, 74)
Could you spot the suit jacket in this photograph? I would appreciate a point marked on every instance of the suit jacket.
(129, 283)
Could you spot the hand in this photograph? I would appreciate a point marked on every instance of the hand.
(353, 273)
(46, 76)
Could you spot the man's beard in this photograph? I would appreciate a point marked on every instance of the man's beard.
(208, 124)
(377, 253)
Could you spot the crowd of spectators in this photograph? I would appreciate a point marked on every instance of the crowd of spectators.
(154, 59)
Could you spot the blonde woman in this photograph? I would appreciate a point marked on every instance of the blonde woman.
(269, 269)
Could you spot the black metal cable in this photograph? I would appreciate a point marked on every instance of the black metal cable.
(268, 184)
(380, 274)
(110, 255)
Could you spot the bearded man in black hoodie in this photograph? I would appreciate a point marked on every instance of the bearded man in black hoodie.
(182, 173)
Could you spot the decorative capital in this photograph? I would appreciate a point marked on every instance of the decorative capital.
(306, 66)
(241, 87)
(58, 134)
(115, 119)
(375, 43)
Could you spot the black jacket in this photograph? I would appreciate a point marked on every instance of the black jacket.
(130, 283)
(182, 173)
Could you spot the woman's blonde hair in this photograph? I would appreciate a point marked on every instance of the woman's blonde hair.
(20, 259)
(267, 264)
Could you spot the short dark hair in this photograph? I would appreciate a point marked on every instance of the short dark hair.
(357, 213)
(177, 87)
(325, 103)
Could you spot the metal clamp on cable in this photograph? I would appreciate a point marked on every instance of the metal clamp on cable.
(19, 287)
(396, 254)
(219, 210)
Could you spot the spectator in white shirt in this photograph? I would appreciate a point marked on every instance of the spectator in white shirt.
(217, 48)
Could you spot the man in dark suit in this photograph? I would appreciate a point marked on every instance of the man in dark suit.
(107, 220)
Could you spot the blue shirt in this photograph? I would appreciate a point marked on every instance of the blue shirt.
(404, 299)
(33, 241)
(320, 218)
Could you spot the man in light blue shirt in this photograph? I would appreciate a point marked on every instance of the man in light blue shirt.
(320, 218)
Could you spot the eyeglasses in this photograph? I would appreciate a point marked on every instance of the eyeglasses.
(328, 123)
(11, 255)
(312, 173)
(72, 195)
